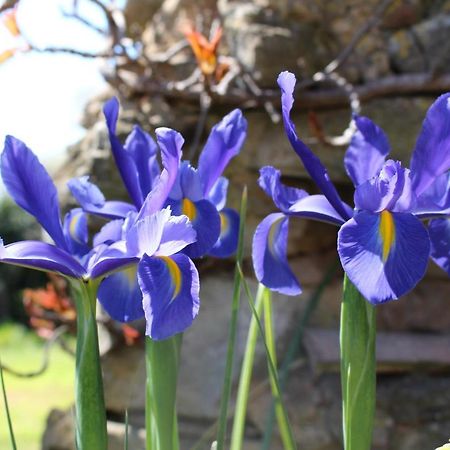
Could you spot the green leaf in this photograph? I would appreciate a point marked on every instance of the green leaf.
(8, 415)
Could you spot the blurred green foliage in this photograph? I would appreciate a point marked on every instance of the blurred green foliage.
(16, 225)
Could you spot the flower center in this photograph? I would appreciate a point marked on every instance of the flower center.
(387, 232)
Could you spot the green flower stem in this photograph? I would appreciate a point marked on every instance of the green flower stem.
(280, 412)
(162, 361)
(246, 375)
(226, 389)
(89, 398)
(8, 414)
(358, 368)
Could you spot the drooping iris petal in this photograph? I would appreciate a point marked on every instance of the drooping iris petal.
(141, 146)
(269, 254)
(384, 255)
(76, 232)
(224, 142)
(283, 196)
(170, 142)
(120, 295)
(391, 189)
(92, 200)
(317, 171)
(206, 222)
(218, 193)
(431, 156)
(31, 187)
(41, 256)
(439, 231)
(227, 243)
(367, 152)
(124, 160)
(170, 288)
(109, 233)
(317, 207)
(145, 235)
(178, 232)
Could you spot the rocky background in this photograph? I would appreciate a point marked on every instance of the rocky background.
(399, 66)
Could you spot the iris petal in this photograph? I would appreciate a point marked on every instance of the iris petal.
(384, 255)
(142, 148)
(170, 288)
(431, 156)
(317, 171)
(440, 243)
(41, 256)
(170, 142)
(227, 243)
(120, 295)
(270, 255)
(205, 221)
(109, 233)
(317, 207)
(218, 193)
(91, 199)
(76, 232)
(283, 196)
(224, 142)
(178, 232)
(31, 187)
(367, 152)
(124, 160)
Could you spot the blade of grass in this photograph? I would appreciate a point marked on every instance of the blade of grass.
(8, 414)
(294, 346)
(226, 390)
(289, 442)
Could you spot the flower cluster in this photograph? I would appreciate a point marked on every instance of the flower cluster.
(383, 244)
(142, 257)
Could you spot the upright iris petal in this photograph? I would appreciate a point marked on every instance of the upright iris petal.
(439, 230)
(367, 152)
(31, 187)
(431, 157)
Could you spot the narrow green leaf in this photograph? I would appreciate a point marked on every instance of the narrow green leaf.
(358, 368)
(125, 444)
(237, 434)
(288, 438)
(295, 345)
(8, 414)
(226, 390)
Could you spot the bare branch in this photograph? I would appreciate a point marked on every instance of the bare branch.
(205, 104)
(371, 22)
(87, 23)
(72, 51)
(170, 52)
(57, 334)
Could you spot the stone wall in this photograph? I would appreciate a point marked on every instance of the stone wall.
(268, 36)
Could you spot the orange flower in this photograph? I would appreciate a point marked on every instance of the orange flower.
(9, 20)
(205, 51)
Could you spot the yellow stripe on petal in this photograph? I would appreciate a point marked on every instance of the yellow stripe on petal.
(189, 209)
(272, 234)
(175, 274)
(73, 227)
(130, 273)
(387, 233)
(224, 224)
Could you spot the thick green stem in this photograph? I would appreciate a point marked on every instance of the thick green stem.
(89, 398)
(280, 412)
(358, 368)
(162, 361)
(246, 375)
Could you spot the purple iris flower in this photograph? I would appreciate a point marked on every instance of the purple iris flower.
(198, 193)
(148, 246)
(382, 243)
